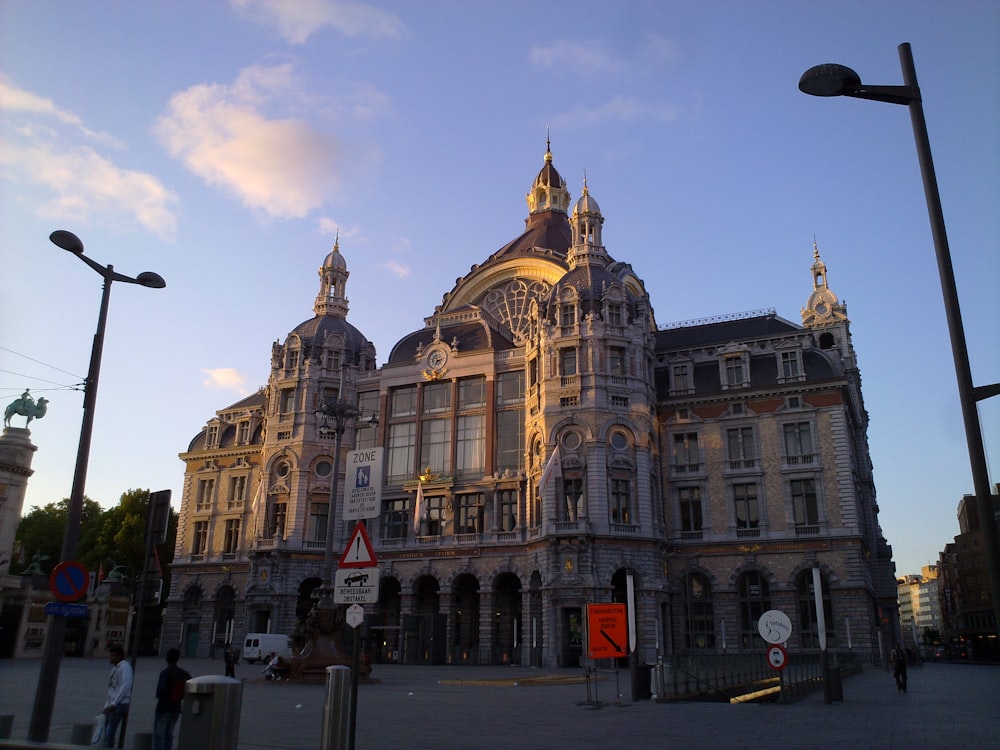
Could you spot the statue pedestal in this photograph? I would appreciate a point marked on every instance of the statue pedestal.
(325, 648)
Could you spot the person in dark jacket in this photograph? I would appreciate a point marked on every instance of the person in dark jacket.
(230, 659)
(899, 669)
(169, 701)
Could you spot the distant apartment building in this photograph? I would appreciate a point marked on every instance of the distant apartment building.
(919, 605)
(964, 588)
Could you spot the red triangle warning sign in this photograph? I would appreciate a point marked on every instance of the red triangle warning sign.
(358, 553)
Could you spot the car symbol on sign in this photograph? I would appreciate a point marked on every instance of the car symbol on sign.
(356, 578)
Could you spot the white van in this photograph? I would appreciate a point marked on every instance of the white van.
(257, 646)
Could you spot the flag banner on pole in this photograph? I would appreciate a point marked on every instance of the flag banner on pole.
(255, 507)
(553, 468)
(418, 508)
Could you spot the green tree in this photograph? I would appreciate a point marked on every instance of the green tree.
(41, 531)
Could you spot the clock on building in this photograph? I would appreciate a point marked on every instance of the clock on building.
(436, 359)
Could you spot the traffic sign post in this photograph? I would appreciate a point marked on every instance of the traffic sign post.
(607, 631)
(363, 485)
(777, 656)
(774, 626)
(356, 586)
(69, 581)
(358, 553)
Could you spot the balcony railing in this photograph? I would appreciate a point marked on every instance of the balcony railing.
(806, 529)
(747, 533)
(742, 464)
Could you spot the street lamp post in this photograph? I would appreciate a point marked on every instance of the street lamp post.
(48, 675)
(839, 80)
(341, 413)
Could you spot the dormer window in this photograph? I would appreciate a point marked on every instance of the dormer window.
(212, 440)
(790, 366)
(615, 317)
(243, 432)
(293, 359)
(735, 371)
(567, 316)
(331, 359)
(681, 381)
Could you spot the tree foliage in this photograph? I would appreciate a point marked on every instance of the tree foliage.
(42, 529)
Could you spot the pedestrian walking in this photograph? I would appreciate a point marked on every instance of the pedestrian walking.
(230, 658)
(899, 669)
(119, 693)
(169, 701)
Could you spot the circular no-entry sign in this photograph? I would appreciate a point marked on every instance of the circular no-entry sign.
(69, 581)
(777, 657)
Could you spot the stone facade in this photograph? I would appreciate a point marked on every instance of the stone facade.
(566, 450)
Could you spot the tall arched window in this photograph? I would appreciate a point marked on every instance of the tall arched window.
(755, 600)
(808, 626)
(698, 613)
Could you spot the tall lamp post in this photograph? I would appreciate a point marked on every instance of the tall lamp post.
(48, 675)
(838, 80)
(341, 413)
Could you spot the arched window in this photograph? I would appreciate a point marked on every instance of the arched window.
(698, 612)
(755, 600)
(808, 625)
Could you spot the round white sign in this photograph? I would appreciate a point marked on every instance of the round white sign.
(774, 626)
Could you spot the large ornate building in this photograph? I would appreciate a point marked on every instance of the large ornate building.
(567, 451)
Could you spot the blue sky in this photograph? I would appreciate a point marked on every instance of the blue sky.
(223, 145)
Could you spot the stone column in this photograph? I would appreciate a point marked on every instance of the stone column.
(16, 452)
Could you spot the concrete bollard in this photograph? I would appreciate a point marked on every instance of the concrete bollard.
(142, 741)
(81, 734)
(6, 726)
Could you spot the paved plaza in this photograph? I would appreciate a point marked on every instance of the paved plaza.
(411, 708)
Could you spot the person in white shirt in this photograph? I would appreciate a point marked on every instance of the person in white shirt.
(119, 693)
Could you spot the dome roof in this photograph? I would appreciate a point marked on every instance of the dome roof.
(335, 259)
(586, 204)
(314, 333)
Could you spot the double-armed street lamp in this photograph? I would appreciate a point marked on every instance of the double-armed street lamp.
(48, 676)
(839, 80)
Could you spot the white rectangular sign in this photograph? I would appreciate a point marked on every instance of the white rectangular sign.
(363, 484)
(356, 586)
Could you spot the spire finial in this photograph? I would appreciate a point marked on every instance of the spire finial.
(585, 190)
(548, 144)
(336, 241)
(815, 249)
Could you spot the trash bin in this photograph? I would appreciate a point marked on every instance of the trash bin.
(640, 682)
(212, 706)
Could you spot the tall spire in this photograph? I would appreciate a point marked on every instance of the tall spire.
(822, 307)
(332, 297)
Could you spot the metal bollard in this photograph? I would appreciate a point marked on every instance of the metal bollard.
(337, 709)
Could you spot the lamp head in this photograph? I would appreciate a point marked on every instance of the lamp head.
(829, 79)
(151, 279)
(67, 241)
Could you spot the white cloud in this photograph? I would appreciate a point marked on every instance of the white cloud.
(297, 20)
(400, 270)
(617, 109)
(225, 378)
(281, 166)
(574, 57)
(60, 178)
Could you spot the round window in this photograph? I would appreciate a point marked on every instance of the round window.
(618, 441)
(282, 469)
(571, 440)
(323, 469)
